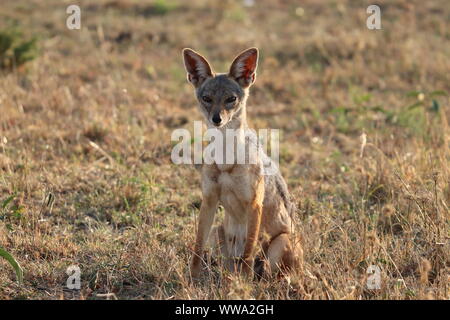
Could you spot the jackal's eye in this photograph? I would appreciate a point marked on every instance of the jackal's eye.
(230, 99)
(206, 99)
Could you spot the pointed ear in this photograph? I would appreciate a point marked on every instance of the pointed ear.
(243, 68)
(197, 67)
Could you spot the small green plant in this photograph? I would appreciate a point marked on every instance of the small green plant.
(5, 254)
(163, 6)
(412, 116)
(11, 212)
(15, 50)
(17, 268)
(424, 108)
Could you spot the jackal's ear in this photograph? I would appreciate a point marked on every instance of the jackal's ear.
(197, 67)
(243, 68)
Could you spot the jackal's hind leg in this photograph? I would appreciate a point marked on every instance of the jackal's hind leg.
(281, 256)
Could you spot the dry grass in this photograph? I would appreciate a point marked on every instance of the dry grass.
(85, 145)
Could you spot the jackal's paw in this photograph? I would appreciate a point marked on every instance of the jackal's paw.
(196, 268)
(261, 268)
(246, 267)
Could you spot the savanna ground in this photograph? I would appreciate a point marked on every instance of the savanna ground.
(85, 145)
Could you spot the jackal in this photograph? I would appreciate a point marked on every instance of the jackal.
(258, 207)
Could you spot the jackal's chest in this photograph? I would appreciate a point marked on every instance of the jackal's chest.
(235, 194)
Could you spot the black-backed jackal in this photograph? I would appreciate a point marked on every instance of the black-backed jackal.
(257, 205)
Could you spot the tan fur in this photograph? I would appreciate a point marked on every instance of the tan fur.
(257, 209)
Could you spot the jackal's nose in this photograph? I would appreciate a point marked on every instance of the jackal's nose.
(216, 119)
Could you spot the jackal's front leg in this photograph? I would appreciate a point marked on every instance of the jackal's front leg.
(206, 219)
(253, 226)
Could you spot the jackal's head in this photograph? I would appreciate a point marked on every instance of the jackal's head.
(221, 96)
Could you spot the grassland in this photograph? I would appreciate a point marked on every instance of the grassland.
(85, 145)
